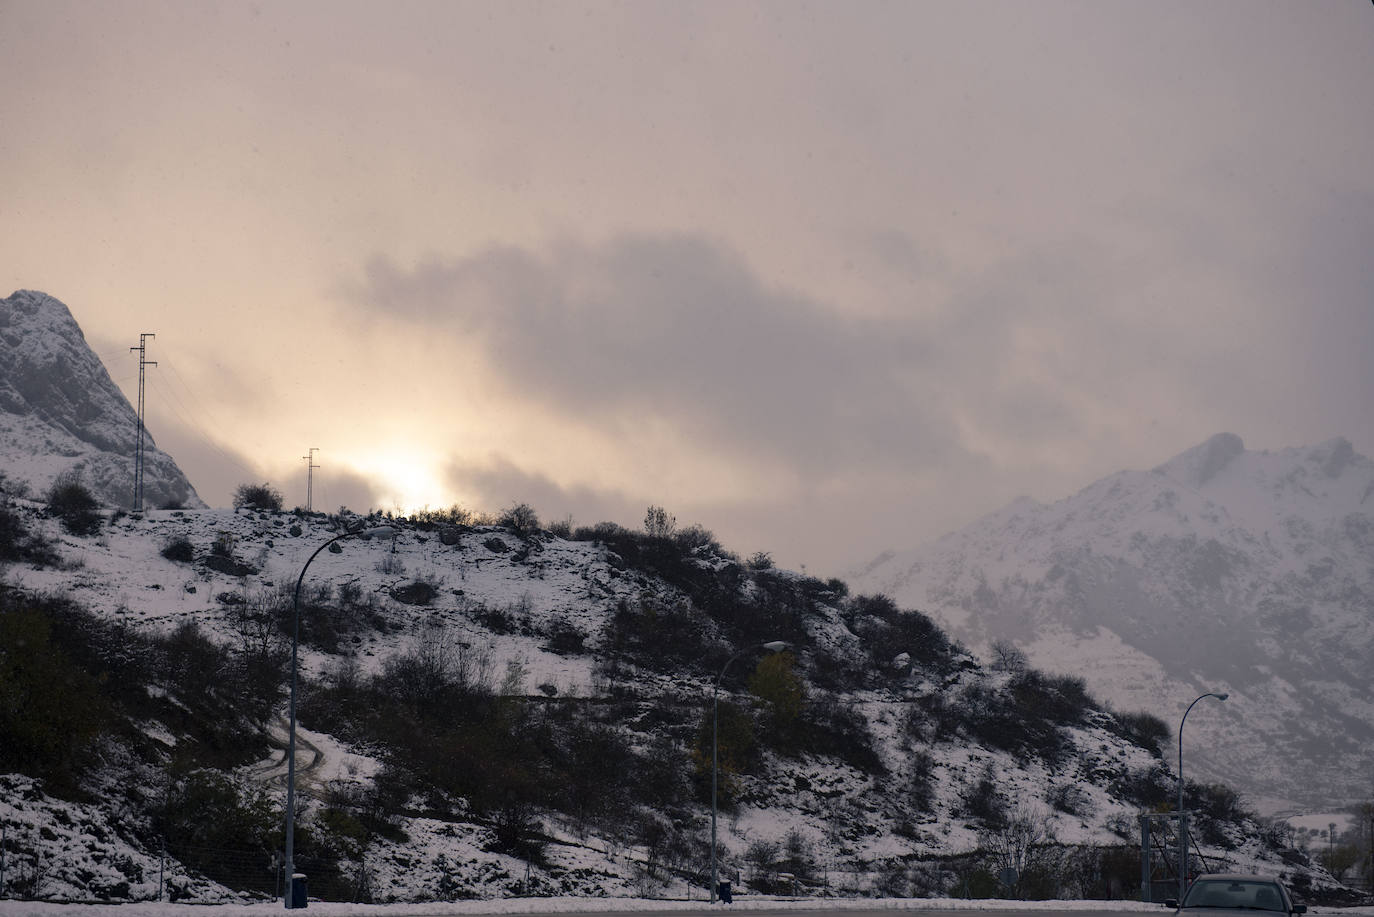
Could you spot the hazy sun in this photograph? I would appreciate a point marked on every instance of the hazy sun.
(404, 481)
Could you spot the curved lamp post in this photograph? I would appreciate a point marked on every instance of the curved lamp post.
(1183, 819)
(380, 531)
(773, 646)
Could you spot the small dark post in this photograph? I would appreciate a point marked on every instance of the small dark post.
(1145, 891)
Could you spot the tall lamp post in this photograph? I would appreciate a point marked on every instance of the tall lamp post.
(1182, 818)
(380, 531)
(772, 646)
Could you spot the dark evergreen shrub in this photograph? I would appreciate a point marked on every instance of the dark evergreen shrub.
(664, 638)
(1147, 788)
(71, 502)
(921, 783)
(1057, 698)
(54, 708)
(229, 566)
(830, 727)
(180, 550)
(982, 800)
(565, 639)
(17, 543)
(420, 592)
(209, 824)
(1146, 730)
(14, 535)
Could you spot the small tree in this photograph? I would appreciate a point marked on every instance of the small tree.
(521, 519)
(1007, 658)
(776, 683)
(659, 523)
(258, 496)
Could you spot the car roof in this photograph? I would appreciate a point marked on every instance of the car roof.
(1239, 877)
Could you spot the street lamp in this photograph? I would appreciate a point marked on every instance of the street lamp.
(380, 531)
(773, 646)
(1183, 819)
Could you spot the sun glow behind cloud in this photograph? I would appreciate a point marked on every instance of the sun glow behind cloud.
(404, 480)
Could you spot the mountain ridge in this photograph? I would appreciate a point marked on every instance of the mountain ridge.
(1221, 566)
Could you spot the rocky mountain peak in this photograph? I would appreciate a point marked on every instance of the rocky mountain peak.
(1200, 464)
(60, 412)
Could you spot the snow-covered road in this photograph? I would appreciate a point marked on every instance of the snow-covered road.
(533, 907)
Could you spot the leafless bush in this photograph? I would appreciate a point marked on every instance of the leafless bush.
(520, 519)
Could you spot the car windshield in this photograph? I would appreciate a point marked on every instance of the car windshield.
(1262, 896)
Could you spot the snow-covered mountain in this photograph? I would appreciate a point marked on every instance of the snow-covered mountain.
(60, 413)
(1221, 570)
(490, 708)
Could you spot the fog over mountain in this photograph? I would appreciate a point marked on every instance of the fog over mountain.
(60, 413)
(1221, 570)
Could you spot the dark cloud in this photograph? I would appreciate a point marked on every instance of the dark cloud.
(1065, 359)
(677, 329)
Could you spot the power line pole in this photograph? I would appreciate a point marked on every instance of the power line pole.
(310, 478)
(142, 349)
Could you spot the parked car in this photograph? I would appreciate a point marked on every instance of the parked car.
(1235, 892)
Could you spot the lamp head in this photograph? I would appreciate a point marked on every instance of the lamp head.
(775, 646)
(1221, 696)
(378, 531)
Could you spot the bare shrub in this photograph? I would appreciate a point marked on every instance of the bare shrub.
(659, 523)
(391, 565)
(1007, 658)
(1071, 799)
(258, 496)
(520, 519)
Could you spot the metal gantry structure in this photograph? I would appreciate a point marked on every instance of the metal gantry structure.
(143, 363)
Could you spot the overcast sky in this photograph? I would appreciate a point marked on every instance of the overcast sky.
(825, 278)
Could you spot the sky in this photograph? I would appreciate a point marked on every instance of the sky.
(825, 278)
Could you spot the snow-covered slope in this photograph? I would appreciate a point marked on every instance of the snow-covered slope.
(899, 764)
(61, 413)
(1221, 570)
(864, 821)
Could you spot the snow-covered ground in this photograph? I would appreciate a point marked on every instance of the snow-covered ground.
(534, 585)
(598, 906)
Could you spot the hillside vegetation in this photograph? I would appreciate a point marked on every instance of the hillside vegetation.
(500, 708)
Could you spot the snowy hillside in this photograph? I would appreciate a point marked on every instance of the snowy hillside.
(490, 708)
(60, 413)
(1220, 570)
(908, 761)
